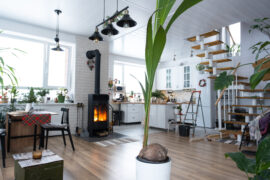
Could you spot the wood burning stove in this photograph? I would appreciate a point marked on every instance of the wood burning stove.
(98, 104)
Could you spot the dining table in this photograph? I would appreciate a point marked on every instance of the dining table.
(24, 127)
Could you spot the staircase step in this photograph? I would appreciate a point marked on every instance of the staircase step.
(243, 114)
(242, 83)
(252, 106)
(234, 132)
(221, 51)
(254, 90)
(235, 122)
(238, 77)
(205, 35)
(216, 61)
(214, 43)
(251, 97)
(220, 69)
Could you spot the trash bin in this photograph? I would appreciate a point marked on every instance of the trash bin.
(184, 130)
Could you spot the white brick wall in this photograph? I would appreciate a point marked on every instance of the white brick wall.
(84, 78)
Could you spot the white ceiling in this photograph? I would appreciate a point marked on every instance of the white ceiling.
(81, 16)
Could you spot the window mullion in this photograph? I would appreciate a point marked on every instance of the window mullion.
(46, 65)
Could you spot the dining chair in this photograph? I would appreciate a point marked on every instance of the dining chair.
(3, 146)
(63, 127)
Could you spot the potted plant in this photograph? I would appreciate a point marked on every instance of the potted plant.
(157, 95)
(178, 109)
(200, 68)
(152, 161)
(256, 168)
(42, 93)
(14, 93)
(61, 95)
(29, 99)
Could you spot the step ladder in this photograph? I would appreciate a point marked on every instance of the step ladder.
(194, 114)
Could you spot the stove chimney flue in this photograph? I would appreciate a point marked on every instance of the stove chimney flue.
(95, 54)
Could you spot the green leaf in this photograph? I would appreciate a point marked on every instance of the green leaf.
(267, 86)
(223, 81)
(257, 77)
(263, 155)
(149, 46)
(244, 164)
(186, 4)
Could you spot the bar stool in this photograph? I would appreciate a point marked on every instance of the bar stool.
(3, 146)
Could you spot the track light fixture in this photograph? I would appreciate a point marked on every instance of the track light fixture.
(126, 21)
(56, 39)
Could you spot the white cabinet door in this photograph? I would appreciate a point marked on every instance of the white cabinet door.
(177, 78)
(161, 79)
(161, 116)
(153, 116)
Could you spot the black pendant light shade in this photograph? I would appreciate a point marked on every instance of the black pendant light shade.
(96, 36)
(126, 21)
(56, 39)
(109, 30)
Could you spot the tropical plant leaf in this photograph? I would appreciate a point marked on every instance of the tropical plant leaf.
(223, 81)
(149, 46)
(256, 78)
(186, 4)
(263, 155)
(267, 86)
(243, 163)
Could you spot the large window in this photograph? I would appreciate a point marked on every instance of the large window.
(37, 65)
(123, 72)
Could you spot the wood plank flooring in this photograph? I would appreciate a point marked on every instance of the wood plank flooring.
(196, 160)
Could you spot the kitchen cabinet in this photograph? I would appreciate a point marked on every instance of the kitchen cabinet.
(133, 113)
(177, 78)
(160, 114)
(170, 78)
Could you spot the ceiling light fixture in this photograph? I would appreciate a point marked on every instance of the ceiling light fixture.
(126, 21)
(56, 39)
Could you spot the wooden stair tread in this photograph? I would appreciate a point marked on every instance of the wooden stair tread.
(214, 43)
(221, 51)
(242, 83)
(235, 122)
(238, 77)
(251, 97)
(220, 69)
(205, 35)
(234, 132)
(243, 114)
(263, 106)
(216, 61)
(254, 90)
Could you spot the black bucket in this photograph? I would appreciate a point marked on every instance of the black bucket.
(184, 130)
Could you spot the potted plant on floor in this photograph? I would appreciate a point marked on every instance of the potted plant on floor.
(29, 99)
(152, 161)
(177, 110)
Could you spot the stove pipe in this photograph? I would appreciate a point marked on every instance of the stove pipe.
(95, 54)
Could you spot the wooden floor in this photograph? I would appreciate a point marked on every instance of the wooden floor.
(197, 160)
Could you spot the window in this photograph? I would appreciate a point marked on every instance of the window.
(235, 37)
(168, 78)
(38, 65)
(123, 72)
(186, 76)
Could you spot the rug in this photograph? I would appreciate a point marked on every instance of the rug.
(113, 142)
(113, 135)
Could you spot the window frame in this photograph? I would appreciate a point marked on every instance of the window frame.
(46, 52)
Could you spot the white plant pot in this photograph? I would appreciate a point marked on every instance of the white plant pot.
(176, 111)
(155, 171)
(28, 107)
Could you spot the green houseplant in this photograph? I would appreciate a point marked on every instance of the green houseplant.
(155, 43)
(61, 95)
(258, 168)
(29, 99)
(42, 93)
(158, 95)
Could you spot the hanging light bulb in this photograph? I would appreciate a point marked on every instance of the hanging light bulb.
(96, 37)
(126, 21)
(109, 30)
(56, 39)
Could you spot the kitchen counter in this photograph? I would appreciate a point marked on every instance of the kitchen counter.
(151, 103)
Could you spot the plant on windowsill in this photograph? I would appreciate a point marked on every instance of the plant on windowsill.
(42, 93)
(152, 161)
(61, 95)
(258, 168)
(29, 99)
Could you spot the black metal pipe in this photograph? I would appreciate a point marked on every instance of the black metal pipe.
(95, 54)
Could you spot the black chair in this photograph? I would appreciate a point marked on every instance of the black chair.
(3, 146)
(64, 126)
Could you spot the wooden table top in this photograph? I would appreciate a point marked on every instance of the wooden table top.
(22, 113)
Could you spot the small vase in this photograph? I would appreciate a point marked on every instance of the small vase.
(4, 100)
(28, 107)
